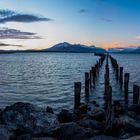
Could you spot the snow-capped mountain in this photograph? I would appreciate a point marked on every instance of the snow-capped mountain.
(67, 47)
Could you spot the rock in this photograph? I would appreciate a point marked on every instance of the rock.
(93, 102)
(135, 108)
(72, 131)
(132, 138)
(65, 116)
(98, 114)
(83, 108)
(102, 137)
(5, 134)
(118, 108)
(24, 118)
(49, 110)
(24, 137)
(44, 138)
(89, 123)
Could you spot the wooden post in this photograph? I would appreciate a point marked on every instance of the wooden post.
(136, 92)
(93, 75)
(86, 83)
(126, 82)
(90, 78)
(117, 72)
(121, 75)
(77, 92)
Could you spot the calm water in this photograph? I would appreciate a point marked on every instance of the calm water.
(48, 78)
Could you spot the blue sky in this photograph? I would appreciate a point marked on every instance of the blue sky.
(37, 24)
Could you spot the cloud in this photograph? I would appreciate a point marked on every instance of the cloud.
(83, 11)
(137, 37)
(6, 33)
(106, 19)
(13, 16)
(5, 45)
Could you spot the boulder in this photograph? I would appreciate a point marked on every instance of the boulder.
(72, 131)
(65, 116)
(25, 118)
(135, 108)
(5, 134)
(102, 137)
(132, 138)
(89, 123)
(98, 114)
(49, 110)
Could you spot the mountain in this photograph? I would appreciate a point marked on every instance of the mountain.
(124, 50)
(67, 47)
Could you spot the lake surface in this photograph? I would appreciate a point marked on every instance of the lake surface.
(48, 78)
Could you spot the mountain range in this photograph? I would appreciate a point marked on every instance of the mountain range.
(67, 47)
(64, 47)
(125, 50)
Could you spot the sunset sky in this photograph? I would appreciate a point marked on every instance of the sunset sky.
(37, 24)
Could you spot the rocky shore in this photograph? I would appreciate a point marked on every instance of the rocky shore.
(24, 121)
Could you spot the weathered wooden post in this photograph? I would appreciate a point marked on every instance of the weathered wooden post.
(93, 75)
(86, 83)
(117, 72)
(136, 92)
(90, 78)
(126, 82)
(77, 92)
(108, 121)
(121, 76)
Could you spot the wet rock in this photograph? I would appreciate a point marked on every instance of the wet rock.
(72, 131)
(44, 138)
(93, 102)
(24, 137)
(102, 137)
(23, 117)
(135, 108)
(65, 116)
(49, 110)
(118, 108)
(133, 138)
(5, 134)
(98, 114)
(89, 123)
(83, 108)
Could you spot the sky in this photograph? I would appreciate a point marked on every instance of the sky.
(39, 24)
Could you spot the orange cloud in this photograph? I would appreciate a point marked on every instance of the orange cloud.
(111, 45)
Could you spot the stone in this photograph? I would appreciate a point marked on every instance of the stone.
(102, 137)
(89, 123)
(132, 138)
(98, 114)
(44, 138)
(83, 108)
(49, 110)
(65, 116)
(135, 108)
(26, 119)
(72, 131)
(5, 134)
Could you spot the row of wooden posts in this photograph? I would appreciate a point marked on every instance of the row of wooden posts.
(90, 79)
(119, 76)
(108, 98)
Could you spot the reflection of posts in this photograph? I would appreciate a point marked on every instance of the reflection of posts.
(77, 92)
(86, 83)
(136, 92)
(126, 82)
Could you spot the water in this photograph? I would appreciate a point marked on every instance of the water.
(48, 78)
(42, 78)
